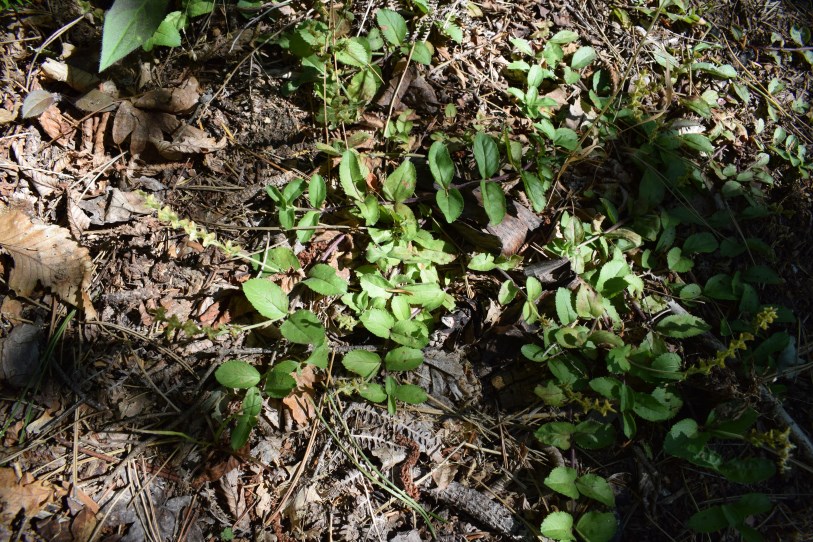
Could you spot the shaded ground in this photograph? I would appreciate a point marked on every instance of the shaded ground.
(121, 435)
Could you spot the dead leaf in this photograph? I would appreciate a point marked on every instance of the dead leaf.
(25, 494)
(46, 254)
(20, 355)
(141, 126)
(7, 116)
(188, 140)
(95, 101)
(300, 401)
(78, 221)
(37, 102)
(171, 100)
(75, 78)
(123, 205)
(55, 124)
(235, 498)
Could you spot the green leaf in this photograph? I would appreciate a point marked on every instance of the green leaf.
(726, 71)
(403, 358)
(378, 322)
(748, 470)
(536, 189)
(493, 201)
(317, 191)
(422, 54)
(593, 435)
(167, 34)
(279, 384)
(429, 295)
(324, 280)
(392, 25)
(582, 58)
(440, 164)
(450, 203)
(522, 45)
(240, 433)
(562, 480)
(364, 85)
(555, 434)
(362, 362)
(354, 52)
(237, 374)
(309, 220)
(596, 488)
(303, 327)
(676, 261)
(376, 286)
(267, 298)
(410, 333)
(564, 36)
(597, 526)
(411, 394)
(318, 357)
(508, 291)
(682, 326)
(559, 526)
(698, 142)
(350, 175)
(373, 392)
(761, 274)
(564, 306)
(700, 243)
(710, 520)
(400, 184)
(128, 24)
(198, 8)
(486, 154)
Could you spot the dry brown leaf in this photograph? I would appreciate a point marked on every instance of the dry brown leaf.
(171, 100)
(55, 124)
(46, 254)
(188, 140)
(300, 401)
(25, 494)
(75, 78)
(141, 126)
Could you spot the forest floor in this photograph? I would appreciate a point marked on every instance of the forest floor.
(115, 316)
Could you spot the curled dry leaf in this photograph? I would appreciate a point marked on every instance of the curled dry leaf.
(48, 255)
(74, 77)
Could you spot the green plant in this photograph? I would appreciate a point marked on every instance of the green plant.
(732, 516)
(130, 24)
(592, 526)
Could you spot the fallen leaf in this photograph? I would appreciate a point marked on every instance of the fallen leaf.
(95, 101)
(7, 116)
(20, 355)
(46, 254)
(55, 124)
(37, 102)
(188, 140)
(300, 401)
(171, 100)
(141, 126)
(25, 494)
(75, 78)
